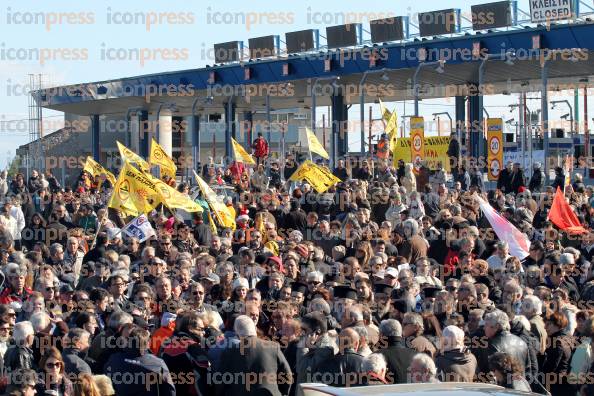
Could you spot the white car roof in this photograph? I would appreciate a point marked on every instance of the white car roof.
(429, 389)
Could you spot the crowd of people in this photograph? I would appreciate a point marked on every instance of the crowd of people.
(391, 276)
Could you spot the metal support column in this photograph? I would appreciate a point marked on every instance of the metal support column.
(339, 141)
(460, 119)
(544, 97)
(144, 133)
(248, 122)
(229, 128)
(196, 142)
(475, 118)
(95, 134)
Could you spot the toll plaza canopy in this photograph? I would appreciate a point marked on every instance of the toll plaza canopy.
(512, 60)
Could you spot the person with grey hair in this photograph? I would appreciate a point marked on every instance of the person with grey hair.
(76, 345)
(261, 359)
(455, 363)
(413, 328)
(520, 326)
(532, 310)
(15, 291)
(105, 343)
(499, 339)
(364, 349)
(422, 370)
(20, 355)
(499, 258)
(374, 369)
(398, 355)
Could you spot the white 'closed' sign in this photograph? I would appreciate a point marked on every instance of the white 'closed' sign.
(550, 10)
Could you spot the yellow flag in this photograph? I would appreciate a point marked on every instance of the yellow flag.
(159, 157)
(240, 154)
(174, 199)
(95, 169)
(320, 177)
(132, 157)
(386, 114)
(220, 210)
(213, 227)
(314, 144)
(134, 193)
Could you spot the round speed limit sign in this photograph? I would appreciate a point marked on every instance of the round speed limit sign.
(494, 145)
(495, 168)
(417, 143)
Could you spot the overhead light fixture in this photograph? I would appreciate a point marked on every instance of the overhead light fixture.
(439, 67)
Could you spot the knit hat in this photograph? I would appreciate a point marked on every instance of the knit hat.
(241, 282)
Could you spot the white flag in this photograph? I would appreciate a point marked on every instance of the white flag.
(518, 242)
(139, 228)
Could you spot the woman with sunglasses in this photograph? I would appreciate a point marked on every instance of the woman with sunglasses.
(52, 378)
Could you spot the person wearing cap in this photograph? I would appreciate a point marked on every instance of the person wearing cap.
(343, 297)
(184, 241)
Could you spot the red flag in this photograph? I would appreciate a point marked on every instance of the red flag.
(563, 216)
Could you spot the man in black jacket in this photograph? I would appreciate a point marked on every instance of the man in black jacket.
(497, 331)
(20, 355)
(397, 354)
(505, 178)
(537, 181)
(76, 344)
(256, 366)
(314, 347)
(135, 358)
(296, 219)
(345, 368)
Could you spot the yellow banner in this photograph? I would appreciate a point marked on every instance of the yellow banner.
(386, 114)
(220, 210)
(436, 151)
(134, 192)
(314, 144)
(320, 177)
(159, 157)
(240, 154)
(95, 169)
(495, 147)
(417, 138)
(132, 157)
(174, 199)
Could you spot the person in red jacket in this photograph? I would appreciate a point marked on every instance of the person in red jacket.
(260, 148)
(15, 290)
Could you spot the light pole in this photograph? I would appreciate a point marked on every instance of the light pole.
(508, 58)
(440, 64)
(436, 116)
(554, 104)
(362, 102)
